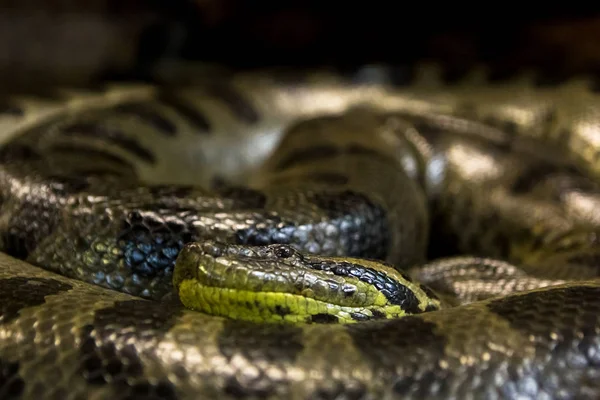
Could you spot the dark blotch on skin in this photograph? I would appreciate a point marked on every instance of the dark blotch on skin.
(329, 178)
(240, 106)
(244, 197)
(409, 346)
(588, 259)
(358, 218)
(278, 345)
(355, 149)
(282, 310)
(550, 307)
(89, 152)
(239, 391)
(110, 346)
(308, 155)
(178, 191)
(67, 185)
(19, 293)
(333, 390)
(192, 114)
(324, 319)
(149, 116)
(11, 384)
(18, 152)
(98, 131)
(532, 177)
(32, 222)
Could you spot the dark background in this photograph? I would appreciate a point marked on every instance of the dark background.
(76, 40)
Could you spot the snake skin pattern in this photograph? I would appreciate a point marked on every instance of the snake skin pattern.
(100, 190)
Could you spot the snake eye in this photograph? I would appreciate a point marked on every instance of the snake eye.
(283, 251)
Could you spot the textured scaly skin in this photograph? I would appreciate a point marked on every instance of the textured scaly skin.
(349, 186)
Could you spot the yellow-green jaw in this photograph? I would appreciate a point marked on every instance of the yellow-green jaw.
(277, 284)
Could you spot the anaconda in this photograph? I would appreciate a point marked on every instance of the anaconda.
(300, 213)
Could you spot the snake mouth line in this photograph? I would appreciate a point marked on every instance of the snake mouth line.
(278, 284)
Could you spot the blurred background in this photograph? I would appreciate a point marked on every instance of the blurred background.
(72, 41)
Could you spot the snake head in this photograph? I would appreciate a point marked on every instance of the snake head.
(277, 283)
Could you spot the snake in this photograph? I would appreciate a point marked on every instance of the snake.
(319, 235)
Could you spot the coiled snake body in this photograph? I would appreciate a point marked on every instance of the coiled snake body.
(102, 190)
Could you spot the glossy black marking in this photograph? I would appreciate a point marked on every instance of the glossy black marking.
(394, 291)
(359, 317)
(98, 131)
(308, 155)
(11, 383)
(358, 218)
(151, 243)
(110, 347)
(19, 293)
(324, 319)
(150, 116)
(192, 114)
(277, 345)
(240, 106)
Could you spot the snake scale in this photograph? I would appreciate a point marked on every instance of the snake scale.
(300, 203)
